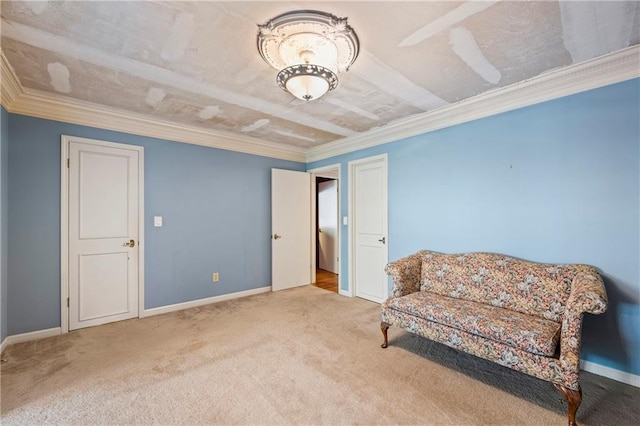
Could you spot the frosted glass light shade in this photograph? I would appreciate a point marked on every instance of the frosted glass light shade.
(307, 87)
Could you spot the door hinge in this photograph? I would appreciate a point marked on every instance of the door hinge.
(67, 302)
(68, 162)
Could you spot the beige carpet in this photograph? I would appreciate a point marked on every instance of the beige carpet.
(301, 356)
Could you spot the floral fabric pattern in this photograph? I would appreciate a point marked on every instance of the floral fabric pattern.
(539, 289)
(406, 274)
(532, 334)
(499, 308)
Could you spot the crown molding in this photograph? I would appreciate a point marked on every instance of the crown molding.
(605, 70)
(38, 104)
(9, 83)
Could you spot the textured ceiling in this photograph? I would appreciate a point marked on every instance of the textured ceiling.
(197, 64)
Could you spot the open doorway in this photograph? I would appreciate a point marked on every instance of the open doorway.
(327, 233)
(326, 253)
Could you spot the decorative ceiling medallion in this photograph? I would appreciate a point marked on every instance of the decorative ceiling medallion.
(309, 48)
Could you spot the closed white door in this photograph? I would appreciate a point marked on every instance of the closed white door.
(328, 225)
(290, 229)
(368, 178)
(103, 233)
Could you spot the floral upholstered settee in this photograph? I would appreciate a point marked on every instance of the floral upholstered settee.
(522, 315)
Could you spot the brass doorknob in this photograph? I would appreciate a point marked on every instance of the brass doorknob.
(131, 244)
(276, 236)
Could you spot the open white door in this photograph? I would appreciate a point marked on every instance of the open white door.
(368, 218)
(104, 202)
(290, 228)
(328, 225)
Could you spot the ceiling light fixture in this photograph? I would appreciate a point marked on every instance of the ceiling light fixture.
(309, 48)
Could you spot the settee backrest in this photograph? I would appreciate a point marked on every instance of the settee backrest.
(539, 289)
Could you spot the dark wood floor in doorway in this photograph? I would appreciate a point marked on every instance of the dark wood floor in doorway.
(326, 280)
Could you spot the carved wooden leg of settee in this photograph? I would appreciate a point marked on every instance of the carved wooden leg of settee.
(574, 398)
(384, 327)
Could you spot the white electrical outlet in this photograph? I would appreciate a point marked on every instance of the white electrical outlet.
(215, 277)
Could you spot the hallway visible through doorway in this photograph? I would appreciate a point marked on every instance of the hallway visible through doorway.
(326, 280)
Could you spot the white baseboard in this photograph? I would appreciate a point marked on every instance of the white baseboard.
(611, 373)
(3, 345)
(34, 335)
(342, 292)
(201, 302)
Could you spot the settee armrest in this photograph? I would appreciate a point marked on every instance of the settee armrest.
(406, 273)
(587, 295)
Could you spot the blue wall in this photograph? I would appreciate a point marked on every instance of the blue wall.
(215, 205)
(4, 173)
(553, 182)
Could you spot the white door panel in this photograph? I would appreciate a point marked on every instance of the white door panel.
(105, 285)
(371, 283)
(370, 216)
(290, 228)
(369, 227)
(103, 220)
(103, 202)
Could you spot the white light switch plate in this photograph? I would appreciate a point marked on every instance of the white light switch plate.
(344, 220)
(157, 221)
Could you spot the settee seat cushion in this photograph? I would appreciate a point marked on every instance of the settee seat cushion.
(526, 332)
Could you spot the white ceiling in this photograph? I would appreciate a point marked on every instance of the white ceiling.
(196, 64)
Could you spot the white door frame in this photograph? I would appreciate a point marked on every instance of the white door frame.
(325, 171)
(351, 289)
(64, 222)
